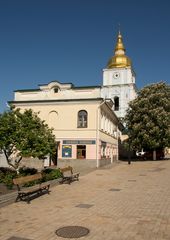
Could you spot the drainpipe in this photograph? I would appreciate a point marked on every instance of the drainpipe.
(111, 153)
(117, 157)
(97, 132)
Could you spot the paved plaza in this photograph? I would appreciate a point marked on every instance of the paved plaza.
(124, 202)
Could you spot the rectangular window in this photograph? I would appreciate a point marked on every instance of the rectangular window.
(67, 151)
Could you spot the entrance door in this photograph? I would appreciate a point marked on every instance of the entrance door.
(81, 151)
(54, 156)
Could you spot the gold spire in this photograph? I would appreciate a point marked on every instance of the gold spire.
(119, 60)
(119, 44)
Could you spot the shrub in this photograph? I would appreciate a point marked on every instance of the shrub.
(6, 178)
(51, 174)
(6, 170)
(1, 177)
(7, 174)
(47, 170)
(31, 183)
(24, 171)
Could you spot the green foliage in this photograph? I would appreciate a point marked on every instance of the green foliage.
(51, 174)
(6, 176)
(24, 135)
(6, 170)
(31, 183)
(47, 170)
(24, 171)
(148, 118)
(1, 177)
(7, 180)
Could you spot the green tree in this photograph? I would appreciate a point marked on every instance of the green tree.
(24, 135)
(148, 118)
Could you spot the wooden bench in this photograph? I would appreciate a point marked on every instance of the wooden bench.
(26, 193)
(68, 175)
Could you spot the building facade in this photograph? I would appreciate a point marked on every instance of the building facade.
(85, 120)
(83, 123)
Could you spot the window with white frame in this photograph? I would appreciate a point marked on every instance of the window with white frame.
(82, 119)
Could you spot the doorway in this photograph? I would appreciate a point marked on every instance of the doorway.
(81, 151)
(54, 155)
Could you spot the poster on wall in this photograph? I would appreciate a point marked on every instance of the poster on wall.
(67, 151)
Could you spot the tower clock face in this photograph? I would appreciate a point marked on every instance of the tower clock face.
(116, 75)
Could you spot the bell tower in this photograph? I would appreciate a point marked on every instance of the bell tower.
(119, 79)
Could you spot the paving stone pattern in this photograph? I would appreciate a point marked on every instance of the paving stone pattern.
(140, 211)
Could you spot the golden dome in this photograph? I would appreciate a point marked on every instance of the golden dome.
(119, 60)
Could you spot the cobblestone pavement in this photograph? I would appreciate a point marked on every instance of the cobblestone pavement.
(126, 202)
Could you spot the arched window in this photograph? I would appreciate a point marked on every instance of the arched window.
(53, 119)
(116, 103)
(82, 119)
(56, 90)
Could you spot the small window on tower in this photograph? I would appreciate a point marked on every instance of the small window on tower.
(116, 103)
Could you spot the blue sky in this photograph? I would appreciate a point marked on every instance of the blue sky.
(72, 41)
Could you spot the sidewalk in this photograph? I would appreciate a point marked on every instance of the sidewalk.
(10, 197)
(126, 202)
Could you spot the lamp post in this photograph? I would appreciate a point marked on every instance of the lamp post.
(129, 155)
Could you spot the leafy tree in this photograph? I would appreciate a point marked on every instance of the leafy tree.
(24, 135)
(148, 118)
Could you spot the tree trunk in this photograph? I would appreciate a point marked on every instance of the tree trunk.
(16, 162)
(154, 155)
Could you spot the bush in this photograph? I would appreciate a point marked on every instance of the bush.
(1, 177)
(6, 176)
(51, 174)
(8, 180)
(6, 170)
(47, 170)
(24, 171)
(32, 183)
